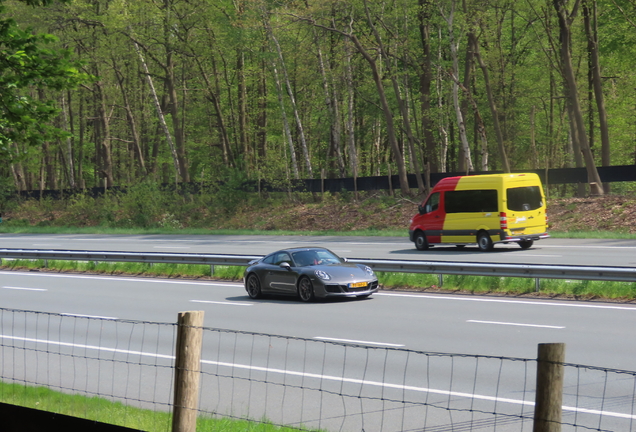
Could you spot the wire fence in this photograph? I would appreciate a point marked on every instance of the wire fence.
(306, 384)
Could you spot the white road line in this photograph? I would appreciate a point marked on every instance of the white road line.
(515, 324)
(24, 289)
(140, 279)
(324, 377)
(88, 316)
(222, 302)
(358, 341)
(171, 247)
(492, 300)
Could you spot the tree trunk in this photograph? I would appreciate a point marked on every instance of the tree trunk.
(406, 122)
(424, 17)
(130, 118)
(286, 131)
(565, 20)
(162, 119)
(292, 98)
(493, 109)
(331, 103)
(591, 30)
(465, 162)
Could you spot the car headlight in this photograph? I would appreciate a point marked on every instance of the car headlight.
(369, 270)
(322, 275)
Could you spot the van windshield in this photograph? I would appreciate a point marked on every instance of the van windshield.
(524, 198)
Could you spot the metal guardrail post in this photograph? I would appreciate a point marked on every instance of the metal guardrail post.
(549, 393)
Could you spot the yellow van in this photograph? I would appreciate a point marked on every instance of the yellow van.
(482, 209)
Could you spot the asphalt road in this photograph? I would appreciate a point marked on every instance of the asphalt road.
(597, 334)
(620, 253)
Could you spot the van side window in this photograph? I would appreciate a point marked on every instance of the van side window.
(432, 204)
(524, 198)
(471, 201)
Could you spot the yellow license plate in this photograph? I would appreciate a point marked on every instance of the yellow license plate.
(358, 285)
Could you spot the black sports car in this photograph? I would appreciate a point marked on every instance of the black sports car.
(308, 273)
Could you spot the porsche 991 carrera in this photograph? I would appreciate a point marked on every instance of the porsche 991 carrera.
(308, 273)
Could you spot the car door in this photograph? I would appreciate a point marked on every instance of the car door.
(433, 218)
(281, 279)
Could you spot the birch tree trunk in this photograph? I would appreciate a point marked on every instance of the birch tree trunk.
(465, 163)
(162, 119)
(292, 99)
(286, 131)
(331, 103)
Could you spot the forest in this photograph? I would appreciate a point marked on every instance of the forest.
(117, 92)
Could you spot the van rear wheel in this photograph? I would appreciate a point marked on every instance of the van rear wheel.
(420, 241)
(484, 242)
(525, 244)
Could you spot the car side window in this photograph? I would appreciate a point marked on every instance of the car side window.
(432, 204)
(281, 258)
(269, 259)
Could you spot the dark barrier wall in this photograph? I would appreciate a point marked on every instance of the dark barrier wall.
(555, 176)
(20, 419)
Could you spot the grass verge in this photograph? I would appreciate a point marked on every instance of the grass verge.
(116, 413)
(578, 289)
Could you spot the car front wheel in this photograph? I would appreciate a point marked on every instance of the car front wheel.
(253, 286)
(305, 290)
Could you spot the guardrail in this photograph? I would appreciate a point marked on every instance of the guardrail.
(536, 271)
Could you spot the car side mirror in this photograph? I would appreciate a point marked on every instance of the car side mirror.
(344, 260)
(285, 265)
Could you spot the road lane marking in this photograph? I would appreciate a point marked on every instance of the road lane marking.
(88, 316)
(515, 324)
(222, 302)
(323, 377)
(127, 279)
(171, 247)
(357, 341)
(24, 289)
(528, 302)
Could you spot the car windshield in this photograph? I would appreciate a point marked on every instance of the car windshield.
(314, 257)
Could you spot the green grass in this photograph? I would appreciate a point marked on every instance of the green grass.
(582, 289)
(116, 413)
(388, 280)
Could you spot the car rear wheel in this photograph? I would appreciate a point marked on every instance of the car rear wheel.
(484, 242)
(420, 241)
(305, 290)
(525, 244)
(253, 286)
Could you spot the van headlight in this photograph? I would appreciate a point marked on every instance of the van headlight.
(322, 275)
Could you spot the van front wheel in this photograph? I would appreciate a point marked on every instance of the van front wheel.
(484, 242)
(525, 244)
(420, 241)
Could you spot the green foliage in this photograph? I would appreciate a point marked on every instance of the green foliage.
(28, 65)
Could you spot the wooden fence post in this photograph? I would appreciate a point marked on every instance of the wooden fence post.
(549, 393)
(186, 371)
